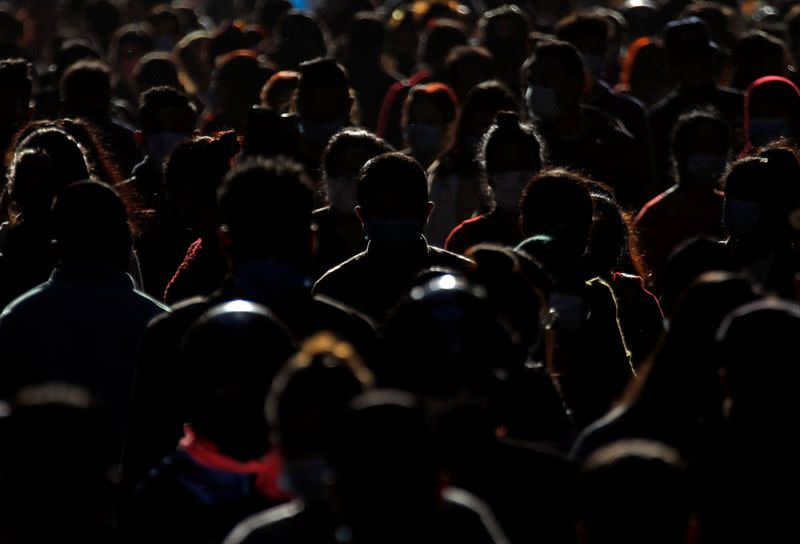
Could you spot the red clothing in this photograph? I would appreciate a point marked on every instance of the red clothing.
(769, 88)
(392, 107)
(484, 229)
(202, 272)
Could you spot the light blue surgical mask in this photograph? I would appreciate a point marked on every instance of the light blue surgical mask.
(741, 217)
(542, 102)
(320, 133)
(706, 168)
(596, 65)
(764, 130)
(393, 233)
(424, 138)
(508, 187)
(342, 194)
(161, 144)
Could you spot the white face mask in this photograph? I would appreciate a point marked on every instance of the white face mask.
(342, 194)
(508, 187)
(542, 103)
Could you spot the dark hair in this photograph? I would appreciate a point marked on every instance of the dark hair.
(509, 129)
(284, 84)
(367, 35)
(154, 70)
(323, 74)
(86, 89)
(757, 54)
(239, 77)
(442, 96)
(349, 150)
(488, 98)
(393, 184)
(583, 26)
(166, 109)
(301, 39)
(63, 150)
(498, 18)
(564, 53)
(72, 51)
(139, 34)
(16, 86)
(90, 225)
(613, 243)
(266, 206)
(468, 60)
(438, 39)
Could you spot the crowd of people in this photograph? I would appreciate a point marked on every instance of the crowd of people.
(352, 271)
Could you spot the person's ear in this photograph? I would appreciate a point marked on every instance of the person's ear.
(138, 136)
(429, 210)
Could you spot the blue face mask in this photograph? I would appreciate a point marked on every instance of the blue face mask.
(596, 65)
(424, 138)
(542, 102)
(764, 130)
(508, 187)
(393, 233)
(161, 144)
(705, 169)
(320, 133)
(741, 217)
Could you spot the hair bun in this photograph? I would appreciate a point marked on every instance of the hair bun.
(507, 119)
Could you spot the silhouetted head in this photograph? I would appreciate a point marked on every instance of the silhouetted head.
(554, 80)
(436, 42)
(701, 146)
(234, 351)
(429, 114)
(589, 33)
(322, 100)
(478, 113)
(90, 226)
(299, 39)
(468, 66)
(167, 118)
(86, 90)
(155, 70)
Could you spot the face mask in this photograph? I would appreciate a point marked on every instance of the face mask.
(596, 66)
(508, 187)
(705, 168)
(393, 233)
(424, 138)
(161, 144)
(542, 102)
(305, 479)
(342, 194)
(764, 130)
(741, 217)
(319, 133)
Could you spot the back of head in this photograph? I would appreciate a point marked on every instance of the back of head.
(301, 39)
(633, 492)
(366, 36)
(757, 54)
(73, 51)
(154, 70)
(277, 93)
(86, 90)
(166, 109)
(557, 203)
(589, 32)
(323, 92)
(310, 396)
(281, 231)
(63, 151)
(558, 66)
(90, 226)
(505, 31)
(468, 66)
(437, 40)
(16, 86)
(238, 80)
(233, 352)
(393, 186)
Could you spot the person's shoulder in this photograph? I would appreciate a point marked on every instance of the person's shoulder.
(181, 313)
(257, 528)
(731, 94)
(30, 300)
(607, 125)
(661, 107)
(149, 302)
(343, 270)
(448, 258)
(654, 206)
(472, 516)
(595, 435)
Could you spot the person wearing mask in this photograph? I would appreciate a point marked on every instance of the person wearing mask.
(467, 67)
(701, 147)
(643, 74)
(455, 178)
(223, 469)
(590, 33)
(504, 32)
(429, 117)
(691, 58)
(322, 102)
(439, 38)
(305, 407)
(580, 136)
(771, 112)
(362, 59)
(85, 323)
(392, 197)
(86, 92)
(299, 38)
(270, 260)
(510, 156)
(338, 229)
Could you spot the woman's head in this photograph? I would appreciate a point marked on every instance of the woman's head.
(612, 241)
(478, 112)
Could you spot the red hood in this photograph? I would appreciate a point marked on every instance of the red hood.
(776, 87)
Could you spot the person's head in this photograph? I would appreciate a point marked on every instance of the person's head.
(635, 491)
(16, 86)
(11, 29)
(193, 173)
(701, 146)
(236, 85)
(392, 197)
(90, 226)
(167, 118)
(510, 154)
(555, 79)
(234, 351)
(557, 203)
(690, 52)
(439, 38)
(155, 70)
(229, 37)
(744, 211)
(166, 25)
(192, 57)
(757, 54)
(504, 32)
(103, 18)
(86, 90)
(589, 33)
(478, 113)
(644, 71)
(278, 92)
(322, 100)
(248, 232)
(299, 39)
(612, 243)
(306, 404)
(365, 38)
(72, 51)
(429, 115)
(467, 66)
(793, 32)
(129, 44)
(347, 152)
(772, 110)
